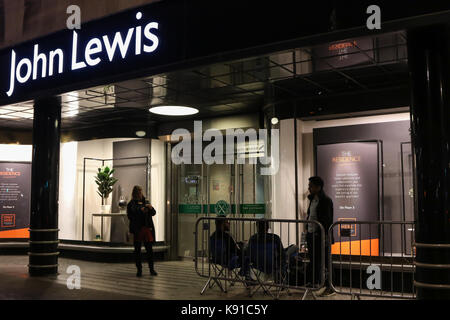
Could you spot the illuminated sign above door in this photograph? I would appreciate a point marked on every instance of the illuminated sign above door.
(183, 34)
(137, 40)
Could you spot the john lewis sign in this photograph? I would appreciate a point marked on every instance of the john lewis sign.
(189, 34)
(136, 43)
(137, 40)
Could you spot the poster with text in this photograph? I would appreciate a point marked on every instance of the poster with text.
(15, 189)
(350, 173)
(344, 54)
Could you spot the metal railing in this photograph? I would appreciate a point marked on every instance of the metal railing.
(374, 259)
(249, 256)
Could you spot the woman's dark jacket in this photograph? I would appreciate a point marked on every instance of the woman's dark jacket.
(139, 219)
(324, 211)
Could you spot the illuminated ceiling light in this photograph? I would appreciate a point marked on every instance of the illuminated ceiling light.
(141, 134)
(275, 121)
(174, 111)
(72, 104)
(17, 112)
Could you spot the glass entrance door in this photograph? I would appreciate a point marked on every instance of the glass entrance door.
(192, 186)
(202, 187)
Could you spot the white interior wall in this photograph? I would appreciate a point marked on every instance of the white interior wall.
(283, 186)
(307, 169)
(68, 191)
(71, 184)
(309, 126)
(67, 213)
(283, 190)
(158, 186)
(15, 153)
(98, 149)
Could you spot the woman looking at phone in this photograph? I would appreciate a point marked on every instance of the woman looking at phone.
(140, 213)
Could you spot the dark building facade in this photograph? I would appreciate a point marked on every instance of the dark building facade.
(290, 60)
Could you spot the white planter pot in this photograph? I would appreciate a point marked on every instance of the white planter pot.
(106, 209)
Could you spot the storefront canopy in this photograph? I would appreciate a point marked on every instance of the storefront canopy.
(174, 35)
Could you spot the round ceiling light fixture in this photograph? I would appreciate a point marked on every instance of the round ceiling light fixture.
(141, 134)
(174, 111)
(275, 121)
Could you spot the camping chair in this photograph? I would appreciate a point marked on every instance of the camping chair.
(266, 262)
(222, 265)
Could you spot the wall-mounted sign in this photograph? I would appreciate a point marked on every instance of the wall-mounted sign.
(190, 34)
(247, 209)
(39, 64)
(343, 54)
(100, 52)
(15, 188)
(222, 208)
(350, 173)
(192, 179)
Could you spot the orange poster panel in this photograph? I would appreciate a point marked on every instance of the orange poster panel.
(363, 247)
(15, 234)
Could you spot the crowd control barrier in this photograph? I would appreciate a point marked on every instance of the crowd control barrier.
(374, 259)
(260, 255)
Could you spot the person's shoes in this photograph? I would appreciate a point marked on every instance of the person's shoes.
(319, 292)
(328, 293)
(153, 273)
(139, 274)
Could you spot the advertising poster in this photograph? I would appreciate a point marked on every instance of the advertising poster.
(344, 54)
(350, 173)
(15, 189)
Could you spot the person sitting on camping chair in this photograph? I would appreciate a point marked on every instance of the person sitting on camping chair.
(266, 252)
(224, 249)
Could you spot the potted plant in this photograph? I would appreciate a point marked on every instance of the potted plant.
(105, 182)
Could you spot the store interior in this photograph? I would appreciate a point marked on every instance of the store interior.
(342, 92)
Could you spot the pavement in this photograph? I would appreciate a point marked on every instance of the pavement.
(176, 280)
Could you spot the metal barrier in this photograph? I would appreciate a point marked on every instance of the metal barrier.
(230, 251)
(373, 259)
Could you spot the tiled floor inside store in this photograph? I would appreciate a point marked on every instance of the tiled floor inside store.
(177, 280)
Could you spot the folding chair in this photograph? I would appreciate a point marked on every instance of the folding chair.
(266, 262)
(222, 265)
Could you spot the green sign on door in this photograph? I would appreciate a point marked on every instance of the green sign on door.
(244, 209)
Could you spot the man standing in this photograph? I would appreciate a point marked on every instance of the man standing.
(320, 210)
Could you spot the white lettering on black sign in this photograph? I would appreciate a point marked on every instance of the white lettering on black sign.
(43, 65)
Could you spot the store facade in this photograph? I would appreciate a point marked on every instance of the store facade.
(293, 70)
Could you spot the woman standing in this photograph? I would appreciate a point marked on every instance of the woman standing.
(140, 213)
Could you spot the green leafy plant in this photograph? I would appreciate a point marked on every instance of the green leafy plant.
(105, 182)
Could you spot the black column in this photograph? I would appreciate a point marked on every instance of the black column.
(43, 253)
(429, 60)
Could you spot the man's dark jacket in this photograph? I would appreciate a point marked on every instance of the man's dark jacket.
(139, 219)
(223, 254)
(324, 211)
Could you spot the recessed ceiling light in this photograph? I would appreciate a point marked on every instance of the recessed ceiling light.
(174, 111)
(141, 134)
(275, 121)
